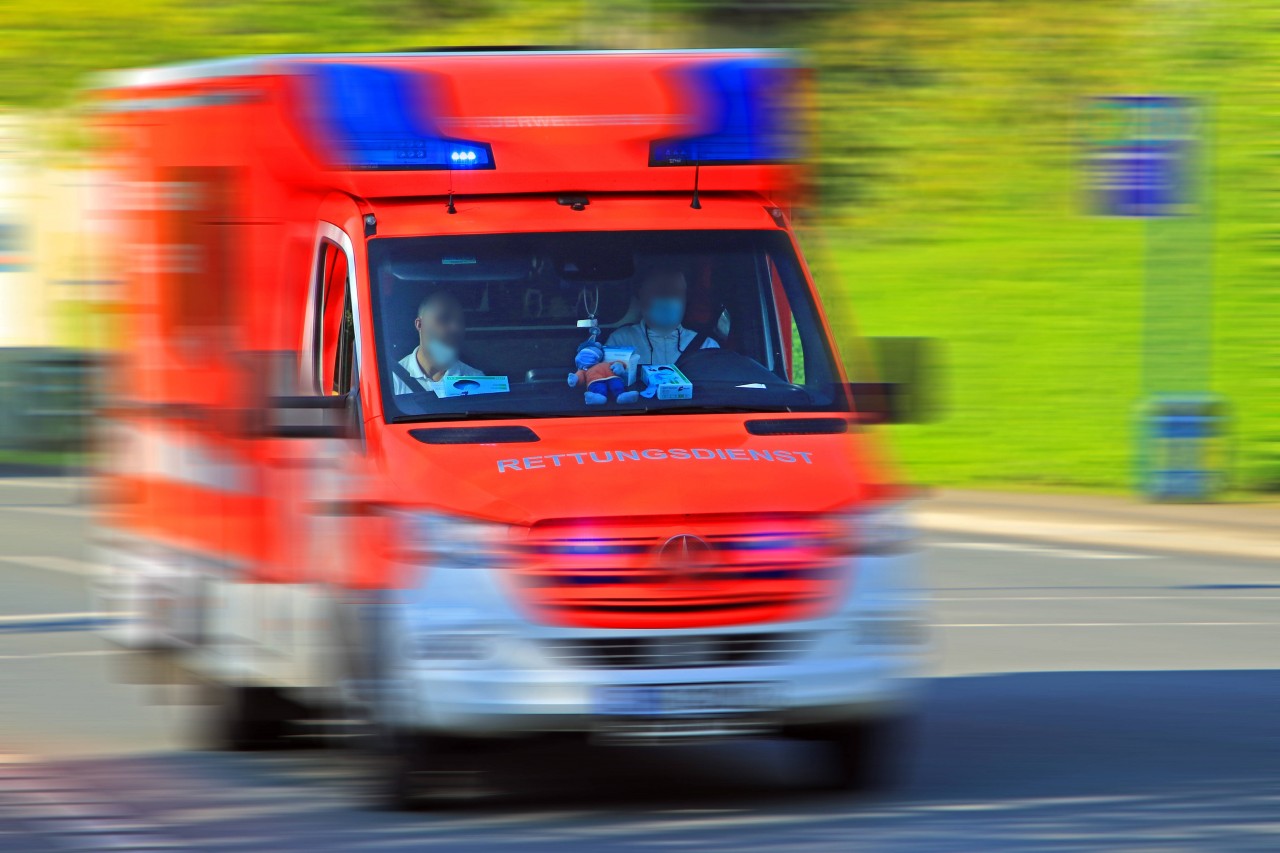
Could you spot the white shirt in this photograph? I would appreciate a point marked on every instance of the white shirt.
(654, 347)
(410, 363)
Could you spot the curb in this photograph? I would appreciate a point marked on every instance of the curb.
(1198, 540)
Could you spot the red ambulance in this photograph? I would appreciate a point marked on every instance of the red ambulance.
(486, 395)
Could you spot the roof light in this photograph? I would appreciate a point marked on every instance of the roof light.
(385, 118)
(746, 111)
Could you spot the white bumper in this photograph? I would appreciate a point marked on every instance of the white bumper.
(469, 664)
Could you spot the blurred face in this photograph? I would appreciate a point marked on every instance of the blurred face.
(440, 328)
(662, 298)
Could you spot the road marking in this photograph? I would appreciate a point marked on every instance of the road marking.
(48, 563)
(87, 653)
(1198, 599)
(1101, 624)
(71, 511)
(52, 617)
(56, 626)
(66, 484)
(43, 482)
(1068, 553)
(36, 623)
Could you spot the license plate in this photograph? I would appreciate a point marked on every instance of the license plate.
(666, 700)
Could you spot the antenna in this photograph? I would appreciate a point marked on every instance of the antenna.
(696, 204)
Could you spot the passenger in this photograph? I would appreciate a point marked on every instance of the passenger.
(659, 338)
(441, 327)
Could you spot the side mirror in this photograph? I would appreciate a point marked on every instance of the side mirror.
(900, 384)
(310, 417)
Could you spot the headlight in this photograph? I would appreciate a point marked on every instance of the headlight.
(878, 529)
(884, 530)
(454, 647)
(431, 538)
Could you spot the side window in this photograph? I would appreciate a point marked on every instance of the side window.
(783, 351)
(802, 355)
(335, 369)
(797, 354)
(343, 360)
(792, 335)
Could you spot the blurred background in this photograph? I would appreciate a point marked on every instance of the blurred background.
(1106, 664)
(950, 203)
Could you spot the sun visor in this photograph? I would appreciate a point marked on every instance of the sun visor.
(459, 267)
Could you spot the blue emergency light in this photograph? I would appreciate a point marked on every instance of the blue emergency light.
(746, 109)
(382, 119)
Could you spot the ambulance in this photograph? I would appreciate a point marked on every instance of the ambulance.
(360, 457)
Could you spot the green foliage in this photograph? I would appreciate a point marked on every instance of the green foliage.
(971, 227)
(950, 181)
(52, 47)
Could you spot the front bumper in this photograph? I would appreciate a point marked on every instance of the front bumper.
(464, 661)
(563, 702)
(522, 688)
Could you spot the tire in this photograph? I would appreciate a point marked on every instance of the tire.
(253, 719)
(409, 768)
(397, 761)
(867, 756)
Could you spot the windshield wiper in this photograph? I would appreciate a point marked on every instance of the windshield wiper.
(464, 416)
(708, 409)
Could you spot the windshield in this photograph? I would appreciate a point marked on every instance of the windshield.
(573, 324)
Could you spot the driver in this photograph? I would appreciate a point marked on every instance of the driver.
(658, 336)
(441, 327)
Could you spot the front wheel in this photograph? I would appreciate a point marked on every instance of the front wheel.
(411, 769)
(397, 761)
(252, 719)
(867, 756)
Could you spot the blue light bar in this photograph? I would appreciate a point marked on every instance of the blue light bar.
(747, 109)
(383, 119)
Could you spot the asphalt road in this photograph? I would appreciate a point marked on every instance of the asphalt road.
(1083, 699)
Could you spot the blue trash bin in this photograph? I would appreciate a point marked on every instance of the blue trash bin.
(1182, 453)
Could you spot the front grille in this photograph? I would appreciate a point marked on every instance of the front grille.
(683, 572)
(678, 651)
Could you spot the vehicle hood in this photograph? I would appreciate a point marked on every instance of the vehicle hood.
(629, 466)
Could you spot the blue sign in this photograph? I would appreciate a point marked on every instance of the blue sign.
(1139, 154)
